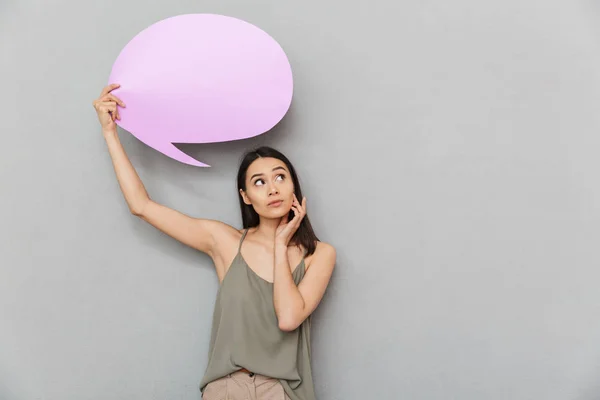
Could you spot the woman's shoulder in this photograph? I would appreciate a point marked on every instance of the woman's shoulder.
(324, 251)
(225, 236)
(324, 247)
(220, 228)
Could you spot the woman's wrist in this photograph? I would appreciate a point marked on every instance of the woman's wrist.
(280, 247)
(109, 132)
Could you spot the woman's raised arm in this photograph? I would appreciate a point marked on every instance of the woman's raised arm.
(198, 233)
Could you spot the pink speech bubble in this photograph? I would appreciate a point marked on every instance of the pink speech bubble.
(201, 78)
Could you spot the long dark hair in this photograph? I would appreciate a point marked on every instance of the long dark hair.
(304, 235)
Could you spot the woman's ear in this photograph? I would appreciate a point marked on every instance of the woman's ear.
(245, 197)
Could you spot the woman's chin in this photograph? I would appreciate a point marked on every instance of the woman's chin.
(275, 214)
(280, 213)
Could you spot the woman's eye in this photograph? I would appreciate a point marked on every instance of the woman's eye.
(260, 182)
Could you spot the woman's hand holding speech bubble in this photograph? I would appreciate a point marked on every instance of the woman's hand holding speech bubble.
(200, 78)
(107, 107)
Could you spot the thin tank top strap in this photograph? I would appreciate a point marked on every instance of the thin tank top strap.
(242, 239)
(304, 251)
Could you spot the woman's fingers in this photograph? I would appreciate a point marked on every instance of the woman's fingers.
(108, 97)
(107, 107)
(301, 207)
(108, 89)
(113, 110)
(297, 214)
(115, 100)
(299, 210)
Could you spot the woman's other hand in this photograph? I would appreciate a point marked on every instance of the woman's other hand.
(286, 229)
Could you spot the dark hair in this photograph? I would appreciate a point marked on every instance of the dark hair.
(304, 235)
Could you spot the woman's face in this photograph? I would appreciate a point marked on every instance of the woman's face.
(269, 187)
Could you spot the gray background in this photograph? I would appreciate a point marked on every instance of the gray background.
(447, 149)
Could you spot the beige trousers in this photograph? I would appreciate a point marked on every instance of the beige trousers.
(243, 386)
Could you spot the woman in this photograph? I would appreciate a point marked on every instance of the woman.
(272, 274)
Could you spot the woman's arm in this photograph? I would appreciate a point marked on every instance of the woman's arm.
(194, 232)
(131, 185)
(198, 233)
(293, 304)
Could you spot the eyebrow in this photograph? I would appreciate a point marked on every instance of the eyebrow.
(261, 174)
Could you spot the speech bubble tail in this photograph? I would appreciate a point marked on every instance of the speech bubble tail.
(170, 150)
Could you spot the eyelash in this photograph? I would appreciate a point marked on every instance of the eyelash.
(260, 179)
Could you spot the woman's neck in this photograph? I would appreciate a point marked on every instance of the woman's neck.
(265, 231)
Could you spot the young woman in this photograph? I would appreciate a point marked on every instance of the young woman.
(272, 274)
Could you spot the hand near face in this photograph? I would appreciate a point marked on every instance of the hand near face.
(286, 229)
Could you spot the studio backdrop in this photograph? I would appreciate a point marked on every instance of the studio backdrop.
(448, 150)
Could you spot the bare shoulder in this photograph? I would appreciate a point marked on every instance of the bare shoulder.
(325, 248)
(325, 254)
(225, 237)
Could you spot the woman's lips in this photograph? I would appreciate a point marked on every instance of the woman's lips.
(276, 204)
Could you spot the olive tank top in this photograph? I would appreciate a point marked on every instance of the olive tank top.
(245, 333)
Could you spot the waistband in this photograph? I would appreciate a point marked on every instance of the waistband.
(248, 376)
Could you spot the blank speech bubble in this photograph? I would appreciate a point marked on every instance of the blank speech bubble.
(201, 78)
